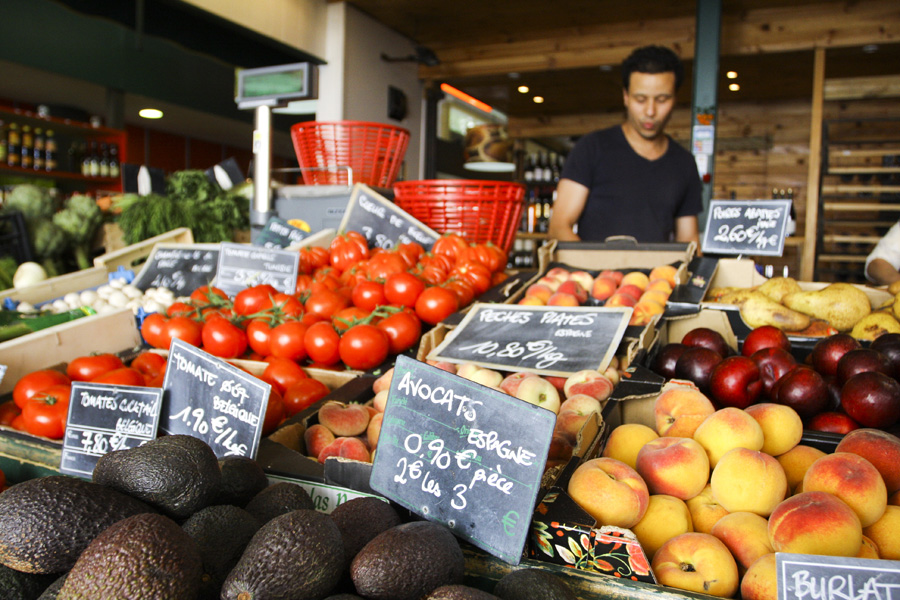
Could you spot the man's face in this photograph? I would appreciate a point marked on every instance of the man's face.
(649, 101)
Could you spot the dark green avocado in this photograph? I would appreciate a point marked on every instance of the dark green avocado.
(278, 499)
(16, 585)
(52, 592)
(146, 556)
(361, 519)
(407, 561)
(178, 474)
(525, 584)
(45, 523)
(242, 478)
(461, 592)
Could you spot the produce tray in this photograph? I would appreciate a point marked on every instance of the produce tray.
(131, 256)
(56, 287)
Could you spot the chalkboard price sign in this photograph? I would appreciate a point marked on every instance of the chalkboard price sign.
(814, 577)
(550, 340)
(181, 268)
(103, 418)
(243, 266)
(755, 227)
(463, 455)
(278, 233)
(382, 222)
(215, 401)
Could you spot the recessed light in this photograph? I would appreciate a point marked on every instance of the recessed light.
(523, 89)
(731, 74)
(538, 99)
(734, 87)
(150, 113)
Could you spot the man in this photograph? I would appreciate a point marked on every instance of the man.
(883, 262)
(633, 179)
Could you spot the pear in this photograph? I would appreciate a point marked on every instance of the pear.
(777, 288)
(842, 305)
(757, 310)
(874, 324)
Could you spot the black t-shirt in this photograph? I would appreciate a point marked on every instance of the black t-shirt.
(628, 194)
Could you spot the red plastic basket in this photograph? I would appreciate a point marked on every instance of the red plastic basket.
(480, 211)
(374, 152)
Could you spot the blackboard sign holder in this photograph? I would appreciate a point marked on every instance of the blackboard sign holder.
(179, 267)
(382, 222)
(241, 266)
(856, 577)
(746, 227)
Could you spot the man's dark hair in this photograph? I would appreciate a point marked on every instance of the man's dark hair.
(652, 59)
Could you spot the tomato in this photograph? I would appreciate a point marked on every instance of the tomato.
(403, 289)
(223, 338)
(186, 330)
(8, 412)
(403, 330)
(18, 423)
(303, 283)
(46, 412)
(122, 376)
(258, 334)
(347, 249)
(363, 347)
(281, 373)
(180, 309)
(37, 381)
(464, 290)
(156, 380)
(368, 295)
(436, 304)
(498, 277)
(438, 261)
(348, 317)
(312, 258)
(150, 364)
(288, 305)
(254, 299)
(451, 245)
(286, 341)
(202, 295)
(325, 303)
(321, 342)
(475, 273)
(432, 275)
(274, 413)
(153, 330)
(487, 254)
(410, 252)
(87, 368)
(383, 264)
(303, 394)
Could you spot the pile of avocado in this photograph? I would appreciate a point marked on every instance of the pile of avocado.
(169, 521)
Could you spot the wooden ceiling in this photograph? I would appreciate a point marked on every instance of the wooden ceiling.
(568, 51)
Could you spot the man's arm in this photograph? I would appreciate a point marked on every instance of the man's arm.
(570, 200)
(882, 272)
(687, 230)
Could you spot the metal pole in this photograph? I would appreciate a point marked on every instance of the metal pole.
(704, 107)
(262, 164)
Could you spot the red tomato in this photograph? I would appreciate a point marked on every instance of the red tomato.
(475, 273)
(403, 289)
(274, 412)
(156, 380)
(254, 299)
(286, 341)
(202, 295)
(325, 303)
(153, 330)
(451, 245)
(321, 342)
(410, 252)
(258, 334)
(223, 338)
(368, 295)
(150, 364)
(303, 394)
(288, 305)
(18, 423)
(363, 347)
(403, 330)
(186, 330)
(303, 283)
(464, 290)
(348, 317)
(123, 376)
(37, 381)
(281, 373)
(383, 264)
(347, 249)
(180, 309)
(46, 412)
(86, 368)
(436, 304)
(8, 412)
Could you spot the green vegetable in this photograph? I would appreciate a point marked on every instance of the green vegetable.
(80, 219)
(8, 268)
(32, 201)
(49, 242)
(14, 324)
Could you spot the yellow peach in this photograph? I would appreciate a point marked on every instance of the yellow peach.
(610, 491)
(748, 480)
(679, 410)
(885, 532)
(781, 425)
(760, 582)
(852, 479)
(705, 511)
(746, 536)
(666, 517)
(815, 523)
(625, 441)
(796, 461)
(726, 429)
(697, 562)
(673, 465)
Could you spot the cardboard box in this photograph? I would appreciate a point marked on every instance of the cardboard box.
(625, 254)
(56, 287)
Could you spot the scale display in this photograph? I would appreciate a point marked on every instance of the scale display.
(276, 85)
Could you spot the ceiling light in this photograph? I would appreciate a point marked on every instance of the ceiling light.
(734, 87)
(150, 113)
(538, 99)
(731, 74)
(523, 89)
(461, 95)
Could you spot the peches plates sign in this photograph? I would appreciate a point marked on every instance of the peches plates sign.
(382, 222)
(549, 340)
(213, 400)
(814, 577)
(105, 417)
(753, 227)
(242, 266)
(181, 267)
(462, 454)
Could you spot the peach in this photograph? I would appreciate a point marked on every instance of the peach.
(638, 279)
(878, 447)
(679, 410)
(532, 301)
(660, 285)
(571, 286)
(675, 466)
(781, 426)
(726, 429)
(540, 392)
(344, 419)
(868, 549)
(644, 311)
(696, 562)
(748, 480)
(558, 273)
(796, 461)
(746, 536)
(885, 532)
(384, 381)
(850, 478)
(614, 273)
(625, 441)
(621, 299)
(346, 447)
(315, 438)
(582, 404)
(603, 287)
(610, 491)
(443, 365)
(510, 383)
(563, 299)
(569, 423)
(539, 290)
(550, 282)
(815, 523)
(760, 582)
(561, 447)
(380, 400)
(592, 383)
(667, 272)
(374, 430)
(705, 511)
(486, 377)
(558, 382)
(584, 279)
(666, 517)
(658, 296)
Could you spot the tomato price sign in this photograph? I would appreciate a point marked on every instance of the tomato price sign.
(181, 268)
(383, 222)
(213, 400)
(550, 340)
(243, 266)
(106, 417)
(814, 577)
(462, 454)
(755, 227)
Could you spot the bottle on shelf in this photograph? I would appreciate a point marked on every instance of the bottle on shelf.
(94, 154)
(26, 147)
(545, 168)
(13, 151)
(104, 160)
(50, 151)
(37, 161)
(113, 160)
(83, 151)
(554, 168)
(528, 174)
(2, 142)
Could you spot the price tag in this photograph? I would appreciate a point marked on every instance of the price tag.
(814, 577)
(212, 400)
(382, 222)
(550, 340)
(103, 418)
(462, 454)
(182, 268)
(243, 266)
(754, 227)
(278, 233)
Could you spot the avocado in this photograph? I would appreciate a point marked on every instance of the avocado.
(178, 474)
(361, 519)
(297, 555)
(46, 522)
(460, 592)
(146, 556)
(52, 592)
(16, 585)
(242, 478)
(407, 561)
(525, 584)
(221, 532)
(278, 499)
